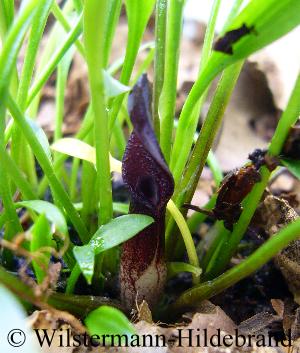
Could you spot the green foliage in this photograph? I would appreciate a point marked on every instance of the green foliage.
(51, 212)
(292, 165)
(108, 236)
(108, 321)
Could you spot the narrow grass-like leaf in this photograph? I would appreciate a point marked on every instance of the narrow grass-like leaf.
(113, 14)
(109, 321)
(61, 82)
(38, 25)
(41, 236)
(181, 151)
(159, 60)
(12, 44)
(169, 90)
(94, 25)
(6, 16)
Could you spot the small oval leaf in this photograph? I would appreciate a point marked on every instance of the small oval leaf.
(109, 321)
(118, 231)
(53, 213)
(114, 233)
(85, 257)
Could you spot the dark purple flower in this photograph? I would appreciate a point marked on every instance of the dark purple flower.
(145, 172)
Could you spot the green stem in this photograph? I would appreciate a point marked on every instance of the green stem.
(186, 235)
(288, 118)
(208, 131)
(261, 256)
(183, 138)
(59, 15)
(89, 196)
(112, 18)
(38, 26)
(169, 89)
(159, 60)
(73, 180)
(6, 16)
(94, 25)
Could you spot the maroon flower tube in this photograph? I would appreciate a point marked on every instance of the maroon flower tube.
(150, 183)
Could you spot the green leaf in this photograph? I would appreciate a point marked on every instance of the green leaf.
(114, 233)
(75, 148)
(138, 14)
(79, 149)
(85, 257)
(41, 237)
(292, 165)
(113, 87)
(41, 136)
(53, 213)
(174, 268)
(109, 321)
(118, 231)
(118, 207)
(13, 43)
